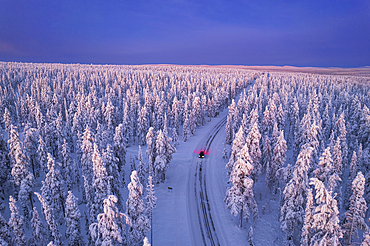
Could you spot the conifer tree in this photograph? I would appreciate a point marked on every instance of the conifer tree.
(325, 167)
(337, 154)
(253, 142)
(109, 226)
(7, 120)
(4, 169)
(160, 164)
(73, 221)
(16, 224)
(185, 129)
(292, 210)
(146, 242)
(25, 195)
(355, 216)
(49, 216)
(277, 162)
(150, 204)
(229, 130)
(325, 225)
(352, 175)
(140, 167)
(111, 167)
(135, 211)
(4, 231)
(30, 146)
(87, 152)
(55, 183)
(267, 156)
(238, 144)
(119, 147)
(150, 150)
(308, 220)
(240, 197)
(341, 132)
(42, 155)
(100, 181)
(142, 125)
(66, 168)
(18, 156)
(38, 230)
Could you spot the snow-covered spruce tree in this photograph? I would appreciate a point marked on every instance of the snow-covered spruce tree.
(267, 152)
(170, 148)
(150, 150)
(269, 118)
(293, 120)
(366, 241)
(4, 230)
(355, 216)
(25, 195)
(142, 125)
(111, 166)
(150, 204)
(127, 126)
(238, 144)
(109, 118)
(66, 168)
(160, 164)
(250, 236)
(119, 147)
(87, 153)
(140, 166)
(280, 117)
(55, 183)
(109, 228)
(18, 156)
(30, 145)
(325, 225)
(341, 132)
(7, 120)
(292, 211)
(364, 132)
(308, 219)
(135, 211)
(38, 230)
(4, 169)
(42, 155)
(352, 176)
(253, 142)
(100, 181)
(73, 221)
(49, 217)
(277, 162)
(325, 167)
(185, 129)
(275, 135)
(146, 242)
(229, 130)
(240, 197)
(16, 224)
(337, 154)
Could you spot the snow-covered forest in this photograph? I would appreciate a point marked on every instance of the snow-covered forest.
(66, 130)
(85, 148)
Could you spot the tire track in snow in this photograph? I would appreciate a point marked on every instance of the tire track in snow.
(203, 207)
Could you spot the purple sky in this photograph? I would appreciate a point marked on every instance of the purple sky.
(245, 32)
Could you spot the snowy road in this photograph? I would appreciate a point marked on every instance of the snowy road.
(203, 226)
